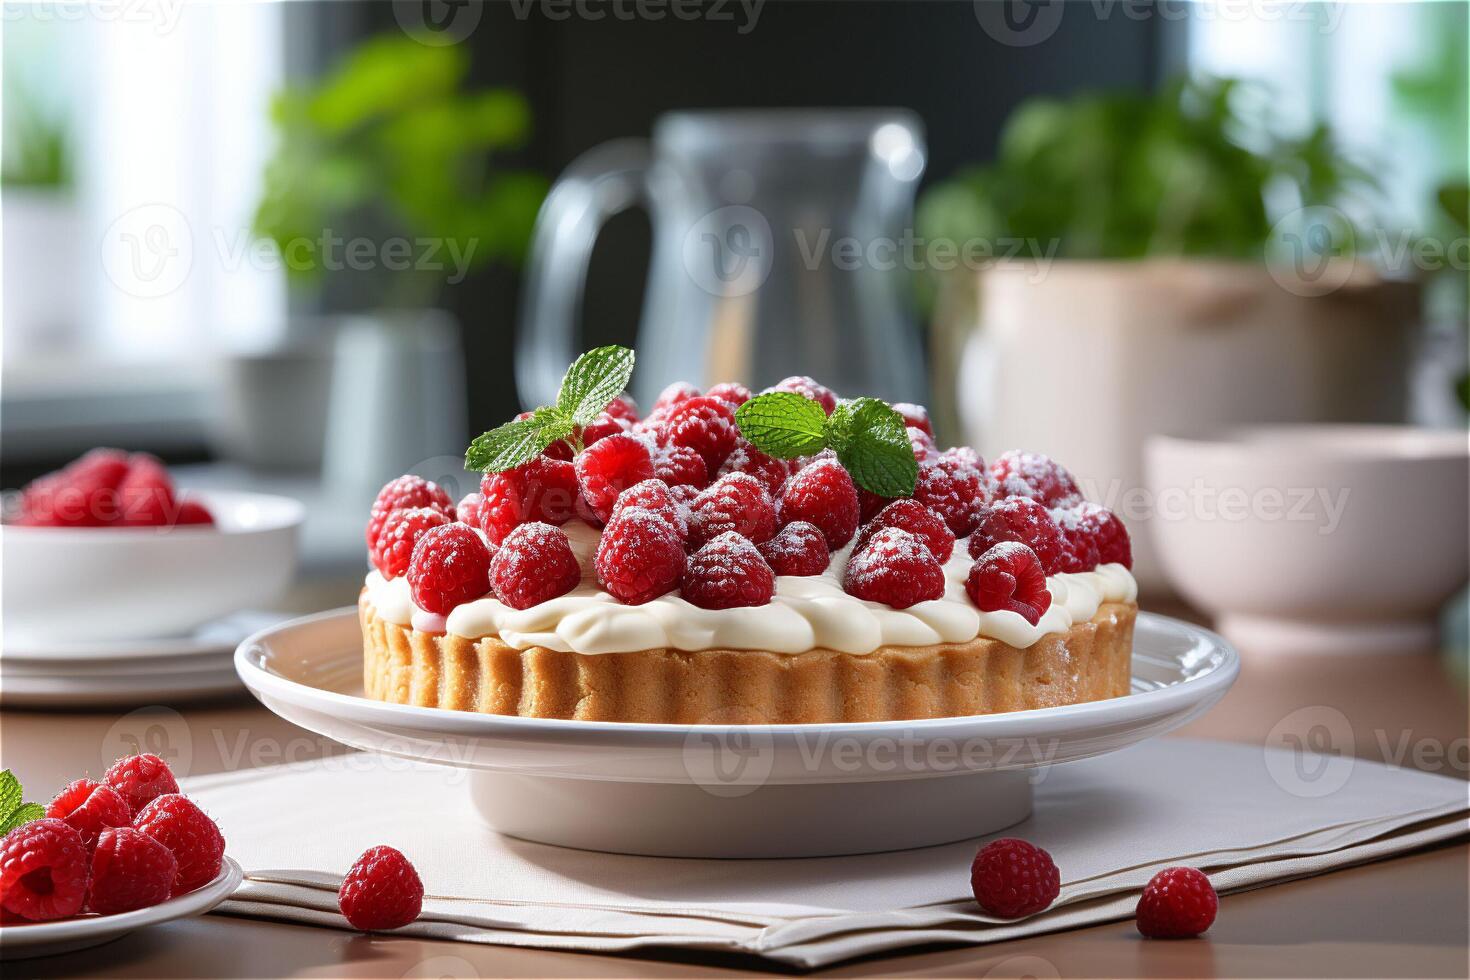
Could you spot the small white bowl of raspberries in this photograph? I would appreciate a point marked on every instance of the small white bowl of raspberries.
(107, 549)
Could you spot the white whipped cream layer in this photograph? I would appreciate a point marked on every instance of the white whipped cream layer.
(806, 612)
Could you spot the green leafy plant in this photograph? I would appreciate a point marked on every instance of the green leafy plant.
(37, 147)
(393, 136)
(14, 812)
(867, 435)
(1126, 175)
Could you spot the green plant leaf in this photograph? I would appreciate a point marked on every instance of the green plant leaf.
(22, 814)
(514, 443)
(13, 812)
(10, 793)
(594, 380)
(872, 443)
(783, 424)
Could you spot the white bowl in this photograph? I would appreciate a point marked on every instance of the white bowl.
(736, 790)
(126, 583)
(1327, 538)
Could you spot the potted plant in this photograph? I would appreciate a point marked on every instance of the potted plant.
(1156, 265)
(386, 188)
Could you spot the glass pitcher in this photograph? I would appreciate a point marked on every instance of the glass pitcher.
(778, 249)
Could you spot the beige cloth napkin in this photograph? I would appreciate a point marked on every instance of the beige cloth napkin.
(1241, 813)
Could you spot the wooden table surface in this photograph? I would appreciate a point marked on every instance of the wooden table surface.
(1401, 917)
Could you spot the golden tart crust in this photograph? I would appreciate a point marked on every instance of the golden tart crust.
(1090, 662)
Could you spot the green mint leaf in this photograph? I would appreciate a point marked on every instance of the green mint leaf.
(783, 424)
(594, 380)
(513, 443)
(22, 814)
(10, 793)
(872, 443)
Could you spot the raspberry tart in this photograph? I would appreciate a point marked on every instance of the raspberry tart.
(786, 556)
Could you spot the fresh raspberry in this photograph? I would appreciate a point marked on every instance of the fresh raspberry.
(915, 417)
(1086, 525)
(735, 502)
(731, 391)
(640, 556)
(1009, 576)
(954, 490)
(805, 386)
(968, 456)
(606, 424)
(400, 494)
(1177, 903)
(922, 443)
(192, 512)
(656, 496)
(918, 520)
(467, 511)
(90, 807)
(1079, 551)
(728, 572)
(130, 870)
(770, 471)
(450, 565)
(797, 549)
(534, 563)
(869, 503)
(823, 494)
(704, 424)
(894, 568)
(43, 870)
(1021, 474)
(145, 497)
(104, 467)
(179, 825)
(82, 494)
(674, 394)
(542, 489)
(680, 466)
(381, 891)
(1020, 519)
(623, 407)
(610, 466)
(1012, 878)
(683, 494)
(138, 779)
(400, 533)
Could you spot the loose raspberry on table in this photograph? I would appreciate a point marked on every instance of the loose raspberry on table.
(1020, 519)
(1012, 878)
(534, 563)
(822, 494)
(1177, 903)
(799, 548)
(639, 557)
(381, 891)
(918, 520)
(1009, 576)
(680, 466)
(198, 846)
(731, 391)
(1023, 474)
(467, 511)
(657, 496)
(610, 466)
(130, 870)
(735, 502)
(400, 533)
(43, 870)
(704, 424)
(953, 489)
(728, 572)
(1088, 526)
(90, 807)
(814, 390)
(400, 494)
(894, 568)
(450, 565)
(138, 779)
(770, 471)
(915, 417)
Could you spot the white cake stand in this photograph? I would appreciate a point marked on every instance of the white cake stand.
(734, 790)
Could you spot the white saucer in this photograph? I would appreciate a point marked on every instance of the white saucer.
(50, 938)
(218, 637)
(737, 791)
(24, 690)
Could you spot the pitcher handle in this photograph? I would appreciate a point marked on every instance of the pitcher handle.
(598, 185)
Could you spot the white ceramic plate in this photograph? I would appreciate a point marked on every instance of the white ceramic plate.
(67, 935)
(213, 639)
(89, 689)
(712, 790)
